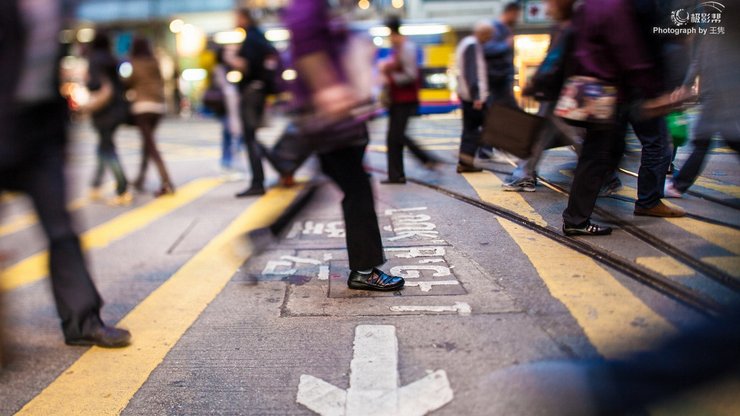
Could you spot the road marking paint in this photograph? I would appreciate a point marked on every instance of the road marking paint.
(428, 286)
(724, 237)
(103, 381)
(613, 319)
(461, 308)
(728, 264)
(667, 266)
(715, 185)
(374, 382)
(35, 267)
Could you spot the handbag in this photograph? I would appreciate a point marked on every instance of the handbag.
(587, 100)
(511, 130)
(214, 100)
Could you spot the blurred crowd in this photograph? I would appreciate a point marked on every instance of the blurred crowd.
(605, 70)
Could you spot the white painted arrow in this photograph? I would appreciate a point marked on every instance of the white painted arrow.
(374, 382)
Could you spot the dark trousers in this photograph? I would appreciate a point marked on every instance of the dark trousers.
(344, 167)
(501, 92)
(693, 166)
(601, 153)
(147, 124)
(655, 159)
(42, 178)
(471, 133)
(251, 109)
(108, 158)
(398, 120)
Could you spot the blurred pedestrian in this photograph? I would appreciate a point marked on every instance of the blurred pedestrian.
(109, 110)
(32, 143)
(250, 60)
(231, 125)
(618, 59)
(401, 77)
(148, 107)
(716, 63)
(472, 88)
(323, 91)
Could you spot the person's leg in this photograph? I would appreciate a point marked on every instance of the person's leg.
(397, 120)
(687, 174)
(227, 151)
(149, 124)
(364, 244)
(110, 159)
(471, 134)
(97, 180)
(141, 124)
(409, 110)
(596, 162)
(252, 106)
(655, 160)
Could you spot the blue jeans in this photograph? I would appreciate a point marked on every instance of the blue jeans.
(228, 144)
(655, 160)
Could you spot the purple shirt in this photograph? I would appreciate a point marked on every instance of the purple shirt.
(609, 46)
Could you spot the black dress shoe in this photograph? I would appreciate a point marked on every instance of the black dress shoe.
(103, 336)
(400, 181)
(377, 280)
(588, 228)
(253, 191)
(463, 168)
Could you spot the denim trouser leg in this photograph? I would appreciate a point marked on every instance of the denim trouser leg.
(656, 157)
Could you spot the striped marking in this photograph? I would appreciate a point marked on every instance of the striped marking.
(35, 267)
(613, 319)
(667, 266)
(102, 381)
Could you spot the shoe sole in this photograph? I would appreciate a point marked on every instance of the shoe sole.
(513, 189)
(85, 343)
(362, 286)
(582, 233)
(645, 214)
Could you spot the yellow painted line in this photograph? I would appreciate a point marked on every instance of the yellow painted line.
(728, 264)
(102, 381)
(724, 237)
(715, 185)
(23, 221)
(35, 267)
(613, 319)
(667, 266)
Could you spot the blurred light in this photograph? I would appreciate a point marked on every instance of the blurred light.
(190, 41)
(125, 70)
(230, 37)
(412, 30)
(277, 35)
(194, 74)
(85, 35)
(517, 88)
(234, 77)
(438, 79)
(290, 75)
(66, 36)
(68, 63)
(378, 41)
(397, 4)
(176, 26)
(363, 4)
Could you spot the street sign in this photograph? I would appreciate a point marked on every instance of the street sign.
(374, 382)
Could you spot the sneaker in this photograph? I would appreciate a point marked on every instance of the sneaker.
(661, 210)
(123, 200)
(375, 280)
(588, 228)
(670, 190)
(520, 185)
(610, 188)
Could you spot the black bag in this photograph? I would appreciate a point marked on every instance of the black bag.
(214, 101)
(511, 130)
(547, 82)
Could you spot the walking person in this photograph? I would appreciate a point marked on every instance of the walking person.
(324, 94)
(32, 152)
(109, 110)
(250, 60)
(231, 125)
(147, 108)
(618, 58)
(472, 88)
(499, 53)
(401, 76)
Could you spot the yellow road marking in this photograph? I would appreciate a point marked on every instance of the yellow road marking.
(35, 267)
(613, 319)
(725, 237)
(22, 221)
(103, 381)
(728, 264)
(715, 185)
(667, 266)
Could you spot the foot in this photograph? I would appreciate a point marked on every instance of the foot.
(661, 210)
(670, 190)
(287, 181)
(588, 228)
(463, 168)
(399, 181)
(520, 185)
(610, 188)
(253, 191)
(121, 200)
(103, 336)
(166, 189)
(95, 194)
(376, 280)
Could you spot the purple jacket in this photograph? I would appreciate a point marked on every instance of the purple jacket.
(609, 46)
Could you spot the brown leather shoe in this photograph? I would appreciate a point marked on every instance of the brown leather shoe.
(661, 210)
